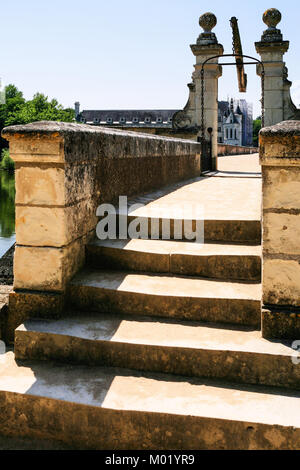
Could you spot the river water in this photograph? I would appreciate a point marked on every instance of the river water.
(7, 210)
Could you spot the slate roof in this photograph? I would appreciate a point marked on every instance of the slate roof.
(142, 117)
(129, 115)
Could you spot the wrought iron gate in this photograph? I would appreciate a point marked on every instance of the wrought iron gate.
(206, 156)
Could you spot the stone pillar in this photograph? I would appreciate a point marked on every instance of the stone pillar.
(55, 215)
(280, 160)
(207, 46)
(271, 48)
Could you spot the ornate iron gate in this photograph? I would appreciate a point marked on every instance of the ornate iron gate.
(206, 157)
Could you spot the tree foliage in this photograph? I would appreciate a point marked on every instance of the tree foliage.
(17, 110)
(256, 129)
(6, 162)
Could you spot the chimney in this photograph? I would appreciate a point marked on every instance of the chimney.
(77, 109)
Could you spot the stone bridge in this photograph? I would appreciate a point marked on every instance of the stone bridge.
(179, 337)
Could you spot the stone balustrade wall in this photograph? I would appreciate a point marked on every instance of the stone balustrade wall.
(225, 149)
(63, 172)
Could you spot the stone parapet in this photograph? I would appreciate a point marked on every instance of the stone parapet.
(280, 160)
(227, 149)
(63, 172)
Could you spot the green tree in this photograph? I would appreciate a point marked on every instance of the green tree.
(256, 129)
(6, 162)
(16, 110)
(40, 109)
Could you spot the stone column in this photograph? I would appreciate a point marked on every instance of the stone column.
(280, 160)
(55, 215)
(207, 46)
(271, 48)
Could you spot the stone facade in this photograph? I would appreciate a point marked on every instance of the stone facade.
(160, 122)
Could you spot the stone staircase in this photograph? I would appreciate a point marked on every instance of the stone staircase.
(160, 348)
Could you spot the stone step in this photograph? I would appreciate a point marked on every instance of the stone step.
(218, 261)
(107, 408)
(167, 296)
(212, 230)
(156, 345)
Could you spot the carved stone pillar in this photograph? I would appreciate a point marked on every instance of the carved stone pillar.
(278, 103)
(207, 46)
(190, 118)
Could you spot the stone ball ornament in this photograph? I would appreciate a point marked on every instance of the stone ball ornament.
(207, 21)
(272, 17)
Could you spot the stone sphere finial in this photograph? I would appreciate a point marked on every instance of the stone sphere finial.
(207, 21)
(272, 17)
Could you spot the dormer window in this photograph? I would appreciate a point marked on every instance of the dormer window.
(95, 120)
(159, 119)
(122, 120)
(170, 119)
(109, 120)
(147, 119)
(135, 119)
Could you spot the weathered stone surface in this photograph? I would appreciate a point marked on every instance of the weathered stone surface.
(281, 188)
(206, 260)
(281, 281)
(6, 267)
(279, 152)
(4, 295)
(54, 226)
(280, 144)
(286, 129)
(51, 186)
(153, 344)
(167, 296)
(65, 170)
(280, 323)
(118, 409)
(47, 269)
(85, 143)
(281, 233)
(24, 305)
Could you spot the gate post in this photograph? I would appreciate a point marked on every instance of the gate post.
(207, 46)
(271, 48)
(280, 160)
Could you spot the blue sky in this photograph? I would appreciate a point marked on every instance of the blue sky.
(111, 54)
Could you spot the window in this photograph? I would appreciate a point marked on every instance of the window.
(231, 133)
(95, 120)
(148, 119)
(159, 119)
(219, 129)
(122, 120)
(135, 119)
(109, 120)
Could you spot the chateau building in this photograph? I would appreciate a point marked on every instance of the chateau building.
(234, 121)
